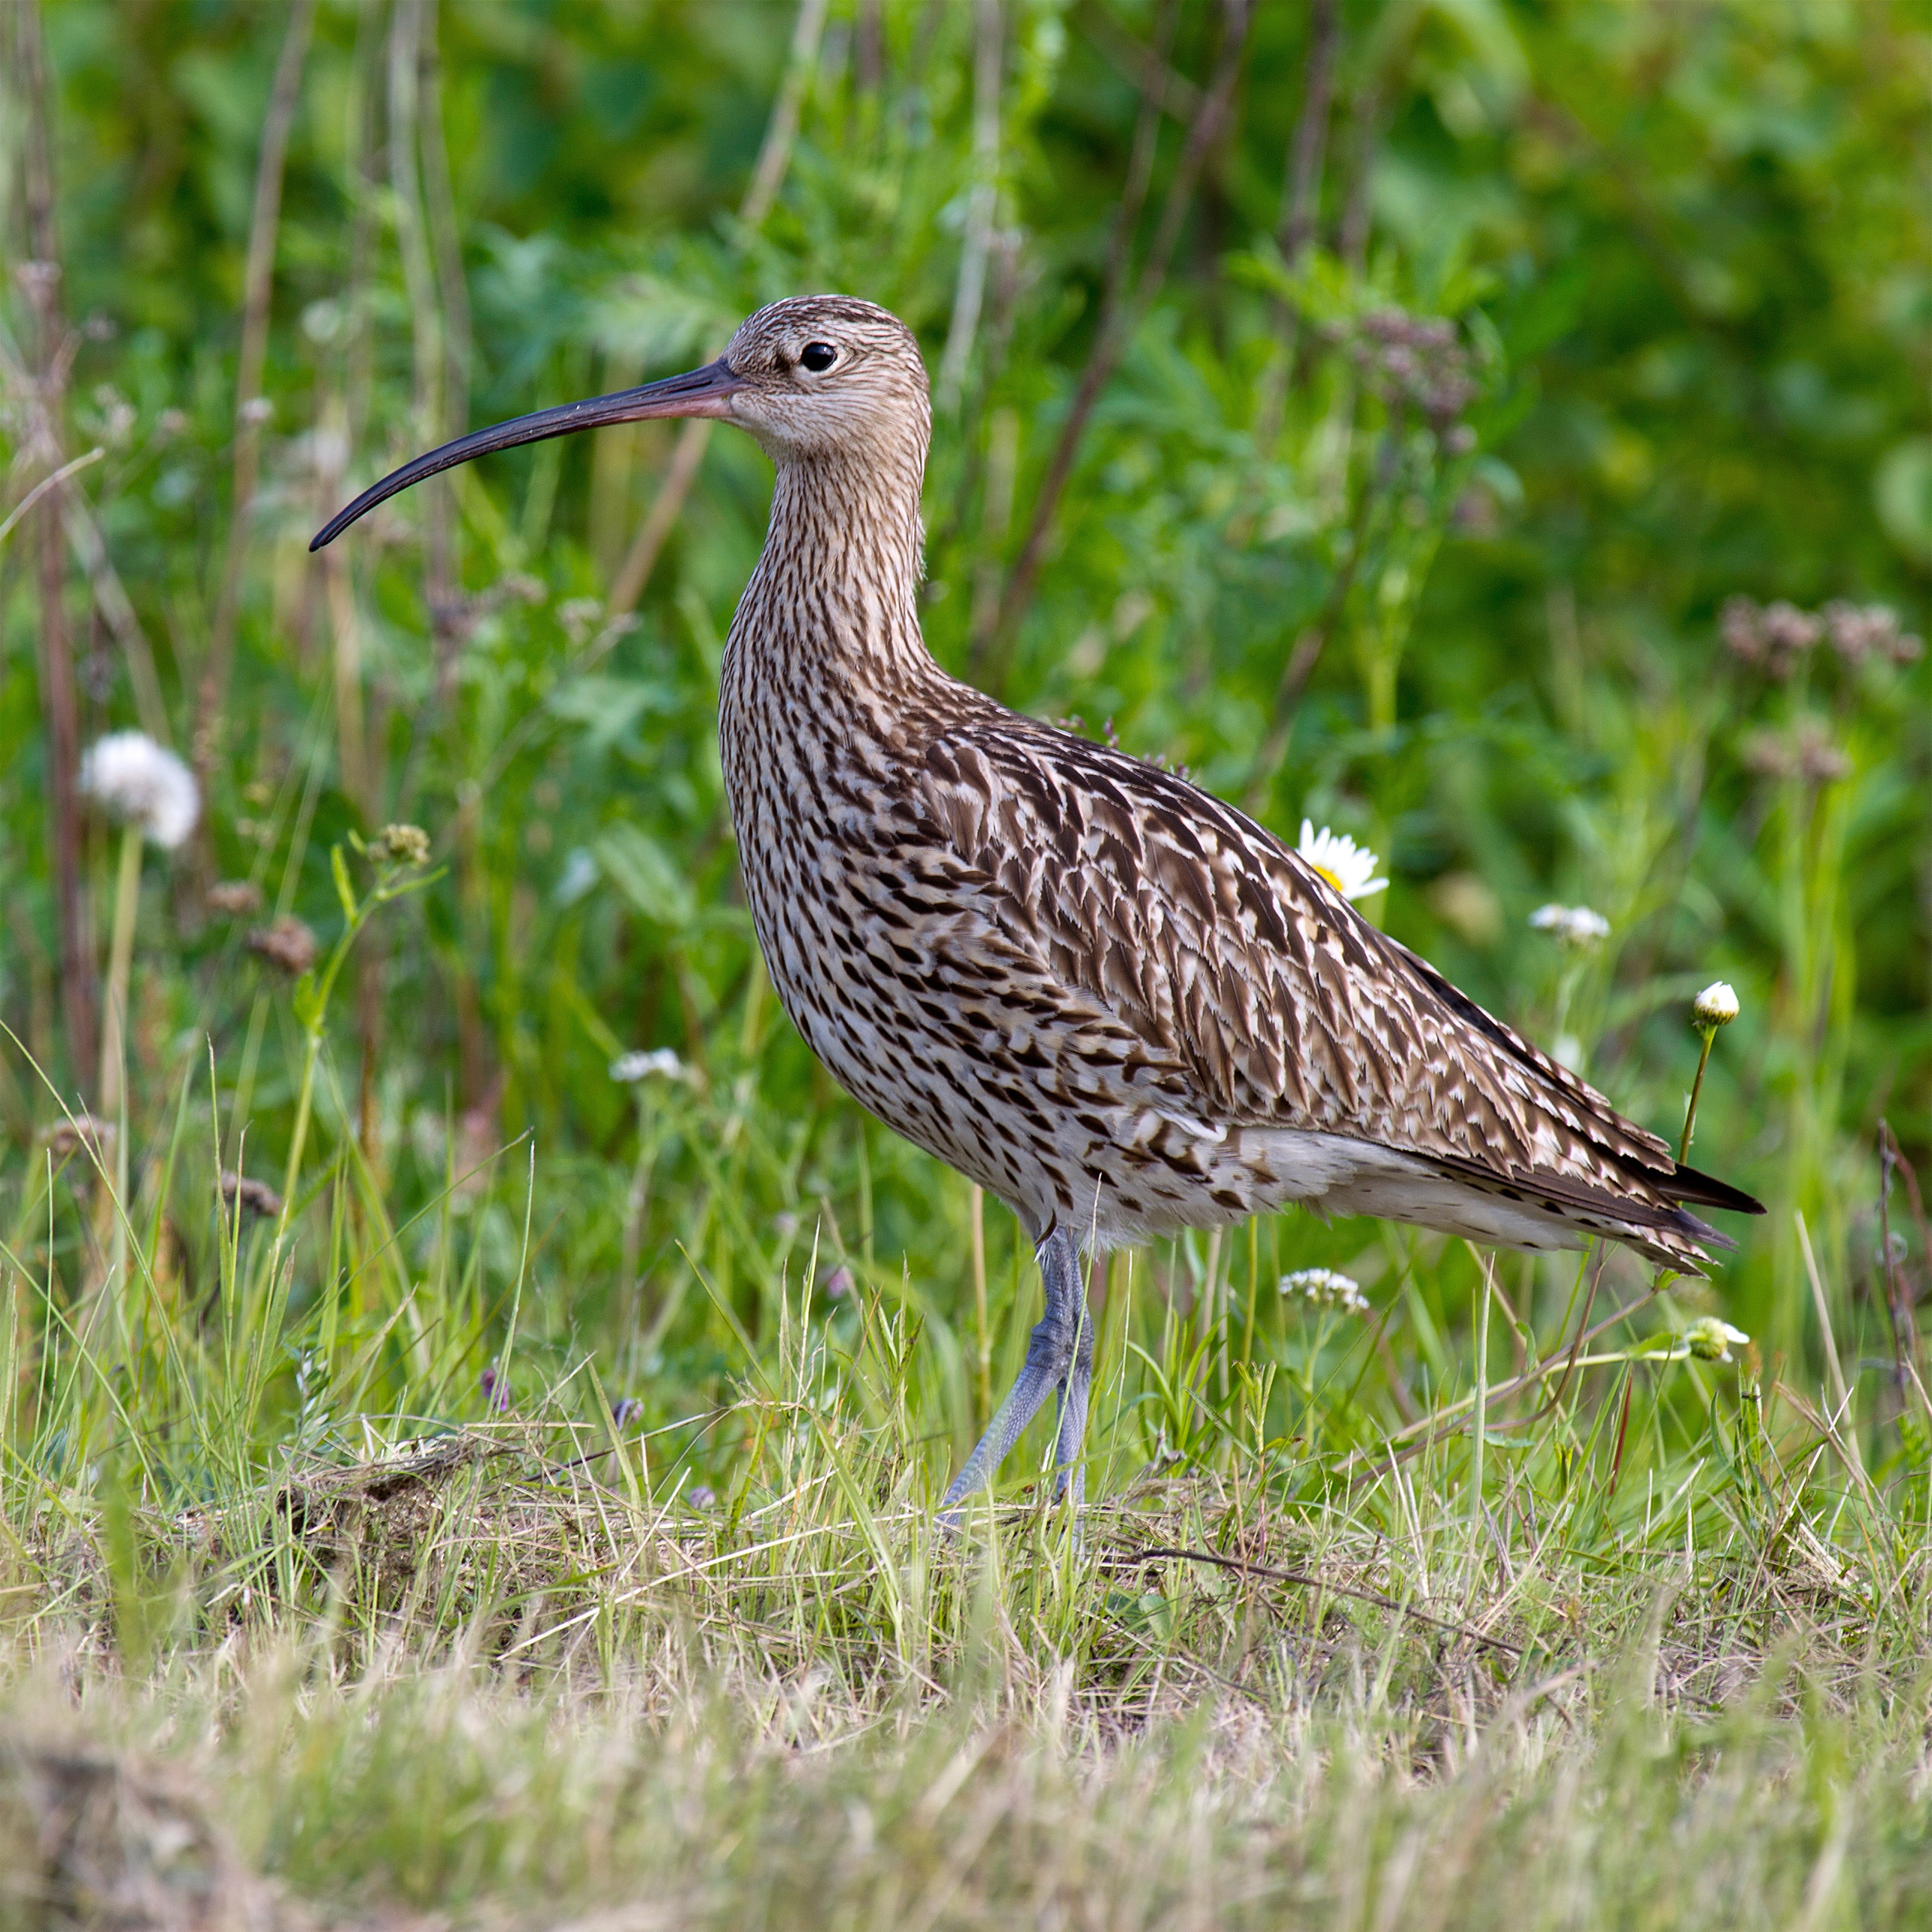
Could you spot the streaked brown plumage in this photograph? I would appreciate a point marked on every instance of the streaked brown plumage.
(1118, 1003)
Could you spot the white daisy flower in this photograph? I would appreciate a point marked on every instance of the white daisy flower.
(1326, 1287)
(1350, 868)
(1571, 926)
(145, 784)
(628, 1068)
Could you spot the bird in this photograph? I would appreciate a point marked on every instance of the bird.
(1116, 1003)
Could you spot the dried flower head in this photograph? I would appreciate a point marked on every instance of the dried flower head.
(628, 1068)
(1868, 630)
(236, 898)
(1327, 1289)
(253, 1197)
(1716, 1006)
(288, 942)
(1807, 752)
(1350, 868)
(72, 1133)
(143, 783)
(1416, 360)
(401, 845)
(579, 616)
(1575, 926)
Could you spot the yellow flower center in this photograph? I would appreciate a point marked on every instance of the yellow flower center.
(1331, 878)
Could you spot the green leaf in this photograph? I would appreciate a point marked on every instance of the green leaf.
(1902, 491)
(339, 867)
(645, 874)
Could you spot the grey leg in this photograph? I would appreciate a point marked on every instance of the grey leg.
(1070, 1443)
(1059, 1353)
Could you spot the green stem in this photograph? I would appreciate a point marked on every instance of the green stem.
(1707, 1034)
(120, 966)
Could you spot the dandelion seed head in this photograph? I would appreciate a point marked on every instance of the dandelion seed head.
(143, 783)
(1350, 868)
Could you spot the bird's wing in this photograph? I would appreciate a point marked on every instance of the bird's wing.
(1241, 970)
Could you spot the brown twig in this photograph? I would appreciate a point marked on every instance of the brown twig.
(1307, 1581)
(767, 177)
(1120, 315)
(40, 280)
(257, 285)
(1300, 204)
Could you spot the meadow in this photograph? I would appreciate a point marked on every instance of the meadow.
(473, 1393)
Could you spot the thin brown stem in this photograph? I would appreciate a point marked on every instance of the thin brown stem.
(1301, 205)
(1306, 1580)
(257, 285)
(430, 340)
(1120, 315)
(59, 700)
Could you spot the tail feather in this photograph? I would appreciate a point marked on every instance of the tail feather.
(1688, 1183)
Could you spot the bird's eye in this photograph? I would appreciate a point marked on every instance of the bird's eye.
(818, 357)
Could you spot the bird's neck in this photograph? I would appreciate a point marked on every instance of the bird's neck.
(831, 612)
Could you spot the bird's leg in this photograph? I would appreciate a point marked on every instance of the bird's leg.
(1075, 1384)
(1052, 1354)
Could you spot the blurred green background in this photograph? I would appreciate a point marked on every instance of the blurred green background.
(1373, 407)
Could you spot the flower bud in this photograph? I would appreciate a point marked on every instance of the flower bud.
(1716, 1006)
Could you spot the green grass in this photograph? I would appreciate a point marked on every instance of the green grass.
(288, 1600)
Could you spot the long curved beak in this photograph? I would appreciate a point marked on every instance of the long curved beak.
(703, 392)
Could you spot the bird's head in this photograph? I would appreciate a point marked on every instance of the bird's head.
(812, 377)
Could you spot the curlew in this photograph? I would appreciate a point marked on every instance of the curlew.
(1113, 1001)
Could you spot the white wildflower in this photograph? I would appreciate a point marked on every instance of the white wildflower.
(144, 783)
(1350, 868)
(1327, 1288)
(1712, 1340)
(1571, 926)
(1716, 1006)
(628, 1068)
